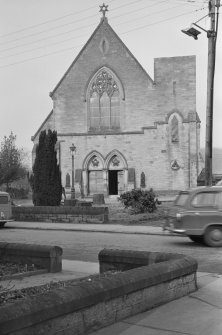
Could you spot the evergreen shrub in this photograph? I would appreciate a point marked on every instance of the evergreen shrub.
(46, 179)
(140, 201)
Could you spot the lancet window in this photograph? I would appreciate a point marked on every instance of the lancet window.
(104, 103)
(174, 129)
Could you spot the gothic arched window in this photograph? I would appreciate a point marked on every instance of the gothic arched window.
(174, 129)
(104, 103)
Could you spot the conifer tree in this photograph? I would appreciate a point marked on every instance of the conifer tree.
(46, 179)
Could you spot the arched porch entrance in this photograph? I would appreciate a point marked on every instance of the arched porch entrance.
(105, 175)
(117, 173)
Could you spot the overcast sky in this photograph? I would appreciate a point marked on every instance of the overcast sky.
(39, 39)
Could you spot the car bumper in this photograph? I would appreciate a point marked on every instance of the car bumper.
(176, 231)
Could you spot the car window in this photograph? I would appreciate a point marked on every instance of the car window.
(218, 201)
(181, 199)
(204, 199)
(3, 199)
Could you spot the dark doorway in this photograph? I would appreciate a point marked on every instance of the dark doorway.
(113, 182)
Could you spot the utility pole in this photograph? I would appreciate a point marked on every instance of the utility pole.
(211, 34)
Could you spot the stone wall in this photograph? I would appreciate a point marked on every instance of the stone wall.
(47, 257)
(61, 214)
(102, 300)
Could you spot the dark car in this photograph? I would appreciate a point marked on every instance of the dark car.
(5, 208)
(197, 213)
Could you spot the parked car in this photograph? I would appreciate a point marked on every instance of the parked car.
(5, 208)
(197, 213)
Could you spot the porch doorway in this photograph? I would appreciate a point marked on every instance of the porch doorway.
(116, 182)
(96, 182)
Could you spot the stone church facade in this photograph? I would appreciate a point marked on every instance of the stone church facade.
(129, 130)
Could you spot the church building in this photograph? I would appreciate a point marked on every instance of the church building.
(129, 130)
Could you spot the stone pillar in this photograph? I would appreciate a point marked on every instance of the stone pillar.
(125, 180)
(105, 178)
(85, 182)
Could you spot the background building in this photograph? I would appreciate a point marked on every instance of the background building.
(124, 124)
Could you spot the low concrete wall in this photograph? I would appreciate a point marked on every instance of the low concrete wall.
(62, 214)
(47, 257)
(103, 300)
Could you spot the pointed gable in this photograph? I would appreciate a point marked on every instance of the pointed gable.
(104, 38)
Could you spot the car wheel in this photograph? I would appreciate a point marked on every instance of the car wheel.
(213, 236)
(2, 224)
(197, 239)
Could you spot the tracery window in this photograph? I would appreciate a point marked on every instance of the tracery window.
(104, 103)
(174, 129)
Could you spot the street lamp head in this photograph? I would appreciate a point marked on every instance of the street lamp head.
(193, 32)
(72, 149)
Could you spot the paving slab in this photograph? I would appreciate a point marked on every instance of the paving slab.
(182, 316)
(191, 315)
(123, 328)
(205, 278)
(212, 292)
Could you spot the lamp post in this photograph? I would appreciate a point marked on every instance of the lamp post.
(212, 38)
(72, 150)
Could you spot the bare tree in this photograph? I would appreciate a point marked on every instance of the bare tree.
(11, 166)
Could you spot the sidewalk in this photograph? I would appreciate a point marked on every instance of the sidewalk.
(199, 313)
(84, 227)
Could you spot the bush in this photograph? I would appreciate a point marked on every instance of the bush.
(46, 179)
(140, 200)
(18, 193)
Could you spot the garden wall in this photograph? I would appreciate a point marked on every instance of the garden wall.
(101, 300)
(47, 257)
(62, 214)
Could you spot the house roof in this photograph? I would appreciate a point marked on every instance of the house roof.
(103, 22)
(42, 125)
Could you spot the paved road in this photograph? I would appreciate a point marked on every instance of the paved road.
(85, 246)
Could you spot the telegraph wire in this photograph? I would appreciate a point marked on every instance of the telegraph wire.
(49, 21)
(75, 37)
(41, 47)
(64, 33)
(46, 38)
(161, 21)
(72, 30)
(49, 54)
(46, 31)
(134, 11)
(130, 3)
(68, 23)
(142, 17)
(128, 31)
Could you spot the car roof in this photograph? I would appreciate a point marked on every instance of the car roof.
(203, 189)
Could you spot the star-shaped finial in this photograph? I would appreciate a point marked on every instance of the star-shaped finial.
(104, 9)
